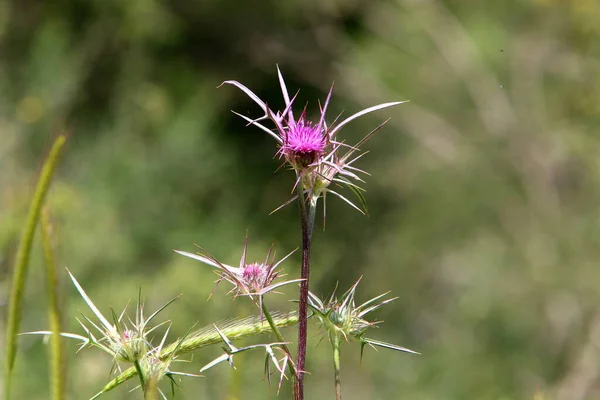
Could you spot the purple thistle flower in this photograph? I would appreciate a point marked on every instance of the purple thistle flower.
(258, 276)
(312, 149)
(303, 143)
(249, 279)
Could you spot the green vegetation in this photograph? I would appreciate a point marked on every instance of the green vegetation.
(483, 199)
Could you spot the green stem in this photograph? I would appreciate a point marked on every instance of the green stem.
(140, 374)
(22, 260)
(151, 391)
(279, 336)
(56, 352)
(274, 327)
(336, 366)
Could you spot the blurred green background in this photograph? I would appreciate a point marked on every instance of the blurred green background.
(484, 193)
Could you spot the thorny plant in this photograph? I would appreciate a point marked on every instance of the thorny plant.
(318, 159)
(343, 319)
(249, 279)
(253, 280)
(321, 161)
(129, 342)
(125, 341)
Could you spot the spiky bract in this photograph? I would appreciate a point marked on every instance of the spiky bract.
(341, 317)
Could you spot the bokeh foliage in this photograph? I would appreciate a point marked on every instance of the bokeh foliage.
(483, 196)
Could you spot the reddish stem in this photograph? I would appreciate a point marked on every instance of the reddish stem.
(307, 222)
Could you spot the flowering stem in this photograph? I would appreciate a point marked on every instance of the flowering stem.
(336, 366)
(149, 386)
(274, 327)
(278, 334)
(307, 219)
(150, 391)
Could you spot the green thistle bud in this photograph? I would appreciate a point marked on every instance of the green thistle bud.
(343, 318)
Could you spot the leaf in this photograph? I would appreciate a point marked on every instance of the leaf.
(385, 345)
(107, 325)
(359, 195)
(347, 201)
(363, 112)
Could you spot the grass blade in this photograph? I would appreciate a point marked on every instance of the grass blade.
(57, 382)
(22, 259)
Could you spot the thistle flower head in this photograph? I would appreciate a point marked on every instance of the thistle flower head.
(123, 338)
(249, 279)
(127, 340)
(303, 143)
(312, 149)
(341, 317)
(257, 276)
(130, 345)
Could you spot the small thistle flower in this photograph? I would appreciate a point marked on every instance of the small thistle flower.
(257, 276)
(127, 342)
(312, 149)
(249, 279)
(343, 318)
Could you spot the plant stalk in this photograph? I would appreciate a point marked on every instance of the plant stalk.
(144, 384)
(336, 366)
(279, 336)
(56, 352)
(151, 391)
(22, 260)
(307, 219)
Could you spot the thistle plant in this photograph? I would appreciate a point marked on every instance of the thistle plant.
(126, 341)
(341, 318)
(129, 342)
(253, 280)
(322, 162)
(318, 158)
